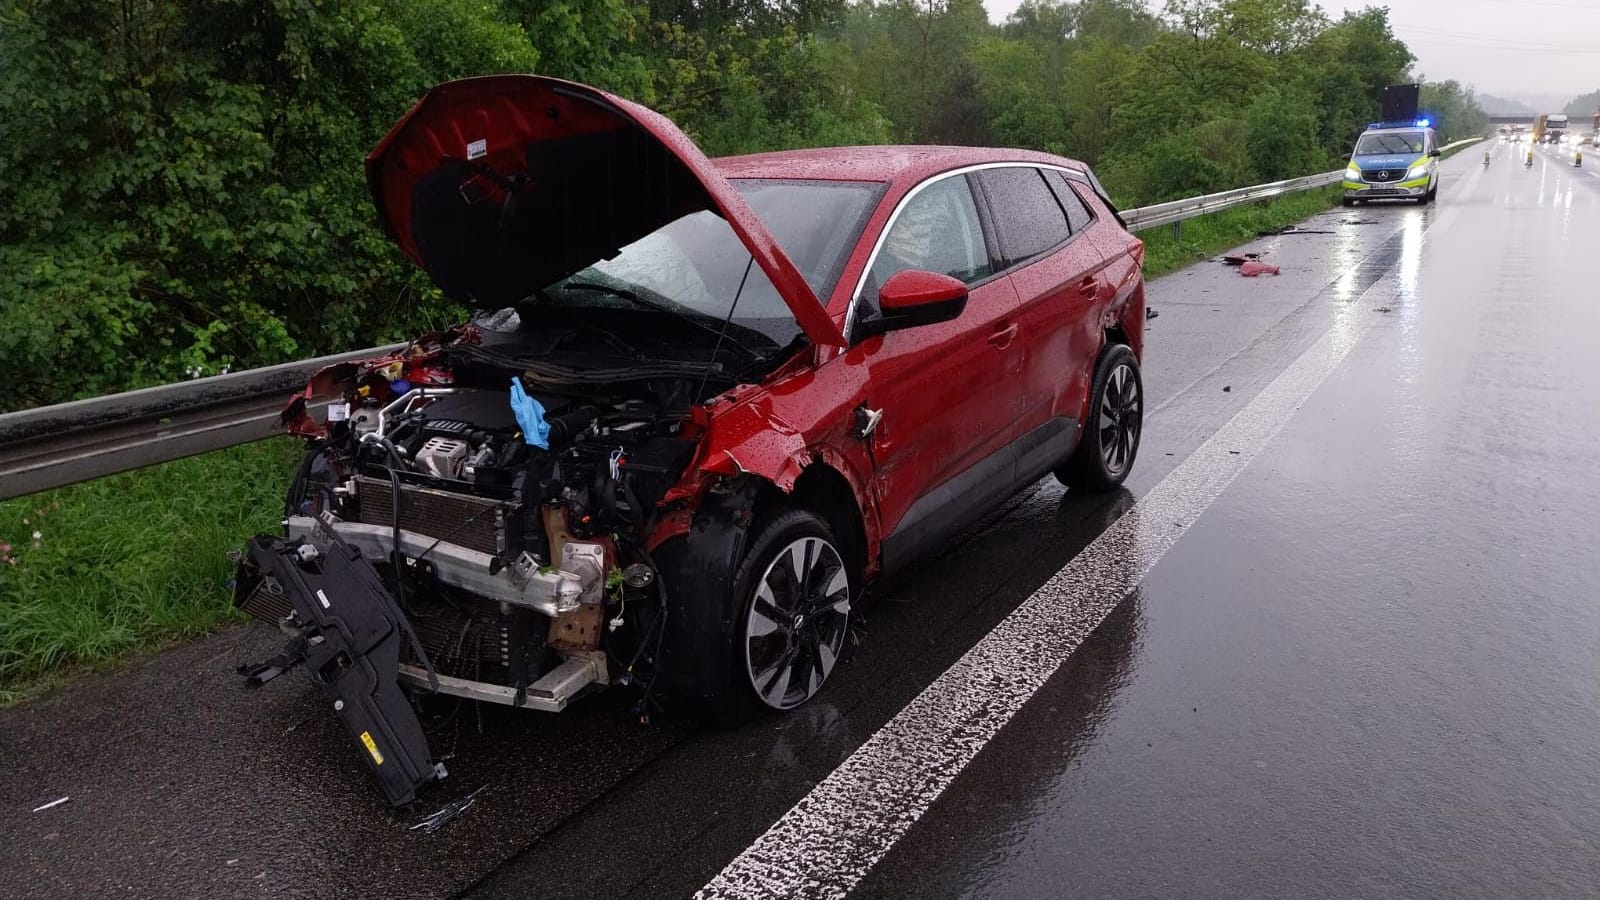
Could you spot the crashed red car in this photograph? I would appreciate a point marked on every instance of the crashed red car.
(702, 405)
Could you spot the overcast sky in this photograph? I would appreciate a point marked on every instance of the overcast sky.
(1543, 51)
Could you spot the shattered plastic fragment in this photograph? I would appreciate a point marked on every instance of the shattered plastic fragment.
(530, 415)
(1252, 268)
(447, 813)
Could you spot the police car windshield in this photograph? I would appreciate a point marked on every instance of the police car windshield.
(1372, 144)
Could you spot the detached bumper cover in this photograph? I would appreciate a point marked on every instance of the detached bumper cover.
(347, 630)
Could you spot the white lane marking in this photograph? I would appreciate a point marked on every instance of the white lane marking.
(826, 843)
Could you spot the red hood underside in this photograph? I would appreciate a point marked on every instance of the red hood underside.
(498, 186)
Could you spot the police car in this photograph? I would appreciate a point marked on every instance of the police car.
(1393, 161)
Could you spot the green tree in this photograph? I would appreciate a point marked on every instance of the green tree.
(1344, 70)
(1281, 132)
(181, 186)
(1013, 103)
(197, 198)
(1454, 110)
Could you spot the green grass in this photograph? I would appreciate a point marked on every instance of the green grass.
(128, 563)
(1207, 236)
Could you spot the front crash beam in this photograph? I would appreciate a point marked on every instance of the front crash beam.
(346, 629)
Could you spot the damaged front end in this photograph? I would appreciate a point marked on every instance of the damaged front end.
(475, 514)
(429, 547)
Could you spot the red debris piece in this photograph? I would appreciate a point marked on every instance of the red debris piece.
(1251, 269)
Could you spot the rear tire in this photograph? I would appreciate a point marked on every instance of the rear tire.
(1110, 441)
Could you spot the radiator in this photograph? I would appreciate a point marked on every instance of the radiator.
(473, 522)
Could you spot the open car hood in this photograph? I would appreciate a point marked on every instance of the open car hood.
(498, 186)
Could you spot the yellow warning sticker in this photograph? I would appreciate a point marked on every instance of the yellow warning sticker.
(372, 747)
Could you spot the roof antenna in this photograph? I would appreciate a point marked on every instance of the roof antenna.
(717, 347)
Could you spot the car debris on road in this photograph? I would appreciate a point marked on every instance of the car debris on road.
(447, 813)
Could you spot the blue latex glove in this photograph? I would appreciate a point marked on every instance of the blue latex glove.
(530, 415)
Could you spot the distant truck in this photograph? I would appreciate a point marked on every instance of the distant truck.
(1555, 128)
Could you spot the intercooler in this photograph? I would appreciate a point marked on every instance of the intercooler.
(473, 522)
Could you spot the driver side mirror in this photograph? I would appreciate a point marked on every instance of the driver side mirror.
(1434, 152)
(912, 297)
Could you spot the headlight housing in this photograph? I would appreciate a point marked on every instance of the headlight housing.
(1418, 169)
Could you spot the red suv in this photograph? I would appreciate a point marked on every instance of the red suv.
(703, 404)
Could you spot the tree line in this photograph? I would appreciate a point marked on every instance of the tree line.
(181, 186)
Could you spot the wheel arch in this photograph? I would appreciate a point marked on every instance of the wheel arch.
(1127, 326)
(824, 490)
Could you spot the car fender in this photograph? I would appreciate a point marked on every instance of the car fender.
(773, 433)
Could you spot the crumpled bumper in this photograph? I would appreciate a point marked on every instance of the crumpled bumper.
(347, 631)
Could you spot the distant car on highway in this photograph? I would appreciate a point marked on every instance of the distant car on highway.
(1393, 161)
(701, 405)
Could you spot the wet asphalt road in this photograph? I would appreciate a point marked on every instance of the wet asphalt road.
(1368, 668)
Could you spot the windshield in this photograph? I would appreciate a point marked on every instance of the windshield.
(1393, 143)
(696, 266)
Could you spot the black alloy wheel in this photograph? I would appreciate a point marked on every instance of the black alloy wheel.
(796, 613)
(1110, 440)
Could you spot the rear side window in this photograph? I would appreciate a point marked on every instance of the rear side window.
(1026, 213)
(1078, 215)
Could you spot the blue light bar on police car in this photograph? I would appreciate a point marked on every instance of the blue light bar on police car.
(1419, 123)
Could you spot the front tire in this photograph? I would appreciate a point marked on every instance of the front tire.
(1110, 441)
(792, 596)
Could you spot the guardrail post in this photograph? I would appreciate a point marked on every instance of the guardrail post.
(1177, 230)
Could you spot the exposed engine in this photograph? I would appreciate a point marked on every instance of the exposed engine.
(520, 562)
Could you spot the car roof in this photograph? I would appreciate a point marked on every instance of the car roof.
(912, 162)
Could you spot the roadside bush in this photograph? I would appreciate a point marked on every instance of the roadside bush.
(1281, 133)
(181, 184)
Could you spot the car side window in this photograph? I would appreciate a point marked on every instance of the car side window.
(1078, 214)
(936, 231)
(1029, 219)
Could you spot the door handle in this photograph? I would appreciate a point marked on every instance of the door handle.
(1088, 287)
(1003, 335)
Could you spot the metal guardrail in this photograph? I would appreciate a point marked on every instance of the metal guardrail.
(71, 442)
(63, 444)
(1175, 211)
